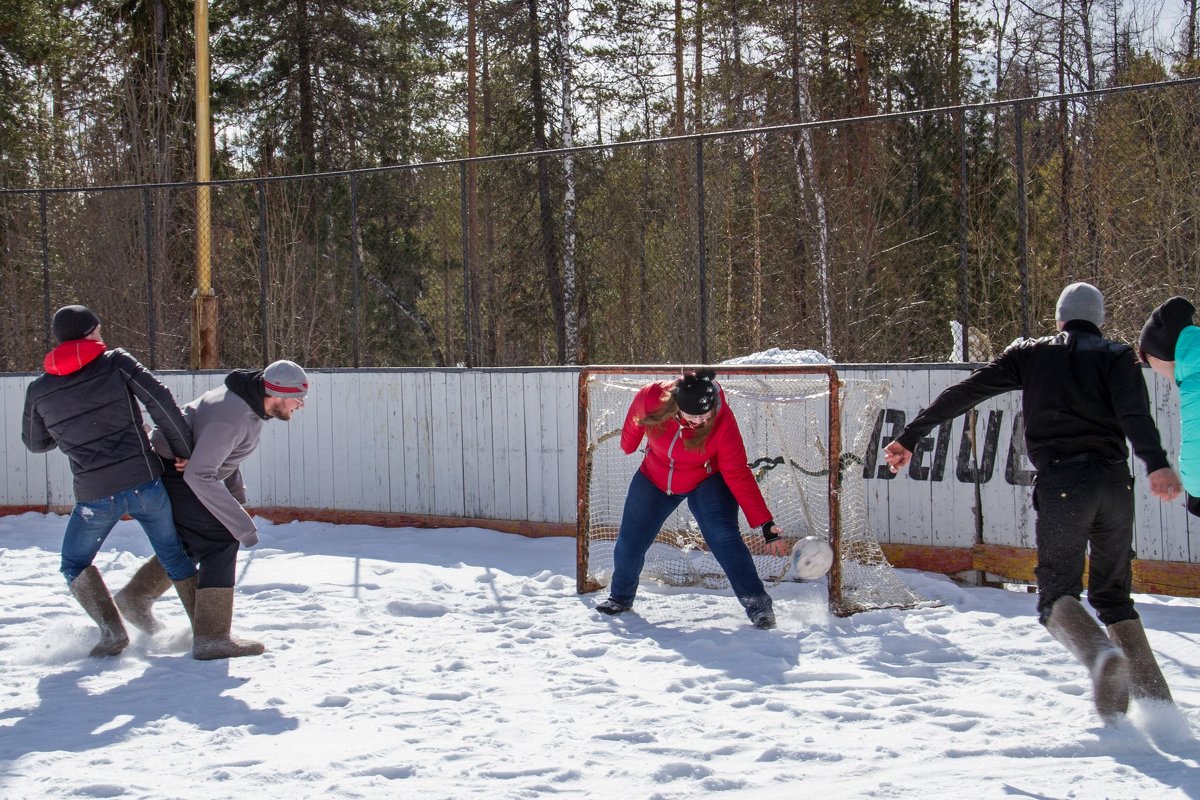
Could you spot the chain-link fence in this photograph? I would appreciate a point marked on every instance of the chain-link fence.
(879, 239)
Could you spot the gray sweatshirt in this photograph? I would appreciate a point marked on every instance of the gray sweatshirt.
(226, 425)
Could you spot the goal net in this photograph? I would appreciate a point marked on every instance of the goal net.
(792, 419)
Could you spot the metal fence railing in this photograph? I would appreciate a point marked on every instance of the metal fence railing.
(864, 238)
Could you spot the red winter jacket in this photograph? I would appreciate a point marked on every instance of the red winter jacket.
(676, 469)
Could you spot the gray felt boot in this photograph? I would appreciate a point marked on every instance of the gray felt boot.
(136, 600)
(89, 589)
(1146, 681)
(187, 595)
(1072, 625)
(210, 627)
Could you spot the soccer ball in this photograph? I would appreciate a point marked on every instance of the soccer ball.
(811, 558)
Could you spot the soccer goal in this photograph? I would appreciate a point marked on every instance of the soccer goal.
(792, 419)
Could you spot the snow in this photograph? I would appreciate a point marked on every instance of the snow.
(458, 663)
(776, 355)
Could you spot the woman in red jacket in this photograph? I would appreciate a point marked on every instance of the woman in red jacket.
(694, 450)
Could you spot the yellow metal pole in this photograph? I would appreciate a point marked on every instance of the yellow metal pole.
(204, 307)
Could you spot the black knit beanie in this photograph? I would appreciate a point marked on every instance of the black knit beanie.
(1161, 331)
(696, 392)
(73, 322)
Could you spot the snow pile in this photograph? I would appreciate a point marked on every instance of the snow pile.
(778, 356)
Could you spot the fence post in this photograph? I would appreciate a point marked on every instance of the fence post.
(963, 285)
(356, 266)
(151, 318)
(464, 221)
(963, 297)
(263, 277)
(701, 252)
(45, 267)
(1022, 218)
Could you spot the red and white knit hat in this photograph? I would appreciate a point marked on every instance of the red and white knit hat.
(285, 379)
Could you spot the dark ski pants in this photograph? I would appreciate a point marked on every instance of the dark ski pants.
(206, 540)
(1085, 505)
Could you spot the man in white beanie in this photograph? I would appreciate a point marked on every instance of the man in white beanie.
(1083, 396)
(207, 496)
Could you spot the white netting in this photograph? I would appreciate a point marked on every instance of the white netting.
(784, 417)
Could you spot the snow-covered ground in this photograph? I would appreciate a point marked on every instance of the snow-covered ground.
(461, 663)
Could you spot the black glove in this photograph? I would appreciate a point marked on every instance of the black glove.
(768, 534)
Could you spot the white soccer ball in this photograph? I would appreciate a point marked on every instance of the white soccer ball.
(811, 558)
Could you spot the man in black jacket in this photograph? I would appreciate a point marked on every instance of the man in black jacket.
(1083, 396)
(86, 405)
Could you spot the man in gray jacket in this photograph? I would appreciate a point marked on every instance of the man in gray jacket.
(86, 404)
(207, 496)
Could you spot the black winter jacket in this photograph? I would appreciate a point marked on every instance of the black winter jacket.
(1083, 395)
(88, 410)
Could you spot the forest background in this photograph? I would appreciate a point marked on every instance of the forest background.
(882, 181)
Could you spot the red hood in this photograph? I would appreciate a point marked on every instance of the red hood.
(73, 356)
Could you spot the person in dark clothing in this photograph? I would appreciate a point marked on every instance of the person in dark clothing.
(1083, 397)
(207, 495)
(86, 404)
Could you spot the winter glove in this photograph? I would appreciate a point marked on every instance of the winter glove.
(768, 534)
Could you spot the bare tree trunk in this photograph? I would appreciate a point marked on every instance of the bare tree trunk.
(678, 128)
(1089, 58)
(1003, 13)
(493, 328)
(308, 149)
(1191, 31)
(859, 154)
(698, 77)
(1064, 147)
(546, 209)
(739, 81)
(570, 307)
(804, 162)
(740, 121)
(955, 55)
(642, 319)
(495, 331)
(1087, 138)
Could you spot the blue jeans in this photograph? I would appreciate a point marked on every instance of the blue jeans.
(715, 509)
(91, 522)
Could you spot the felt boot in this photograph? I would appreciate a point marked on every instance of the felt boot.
(1071, 624)
(187, 595)
(211, 624)
(89, 589)
(1146, 681)
(136, 600)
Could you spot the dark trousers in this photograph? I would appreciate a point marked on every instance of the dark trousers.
(1082, 506)
(715, 510)
(206, 540)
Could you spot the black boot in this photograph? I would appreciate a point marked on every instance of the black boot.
(613, 607)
